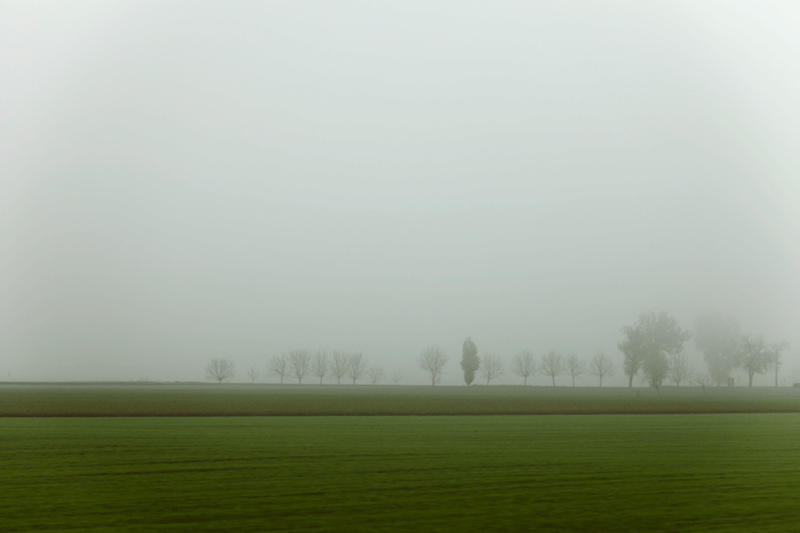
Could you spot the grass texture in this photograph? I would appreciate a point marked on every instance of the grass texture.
(316, 400)
(736, 472)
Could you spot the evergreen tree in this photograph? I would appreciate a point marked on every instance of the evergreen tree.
(469, 360)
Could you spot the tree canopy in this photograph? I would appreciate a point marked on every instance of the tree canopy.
(649, 344)
(470, 363)
(720, 340)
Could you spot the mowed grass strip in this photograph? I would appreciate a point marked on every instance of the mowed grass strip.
(244, 400)
(482, 473)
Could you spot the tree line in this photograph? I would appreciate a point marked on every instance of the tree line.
(653, 346)
(525, 365)
(301, 364)
(652, 349)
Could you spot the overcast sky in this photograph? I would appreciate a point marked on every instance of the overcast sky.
(188, 180)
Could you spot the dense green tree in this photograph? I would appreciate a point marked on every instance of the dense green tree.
(652, 341)
(470, 362)
(632, 349)
(720, 340)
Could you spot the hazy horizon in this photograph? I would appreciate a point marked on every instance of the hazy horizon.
(182, 181)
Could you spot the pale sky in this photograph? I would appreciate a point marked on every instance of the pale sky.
(188, 180)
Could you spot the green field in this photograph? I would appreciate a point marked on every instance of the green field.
(205, 457)
(315, 400)
(737, 472)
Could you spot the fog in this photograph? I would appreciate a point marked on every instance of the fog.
(188, 180)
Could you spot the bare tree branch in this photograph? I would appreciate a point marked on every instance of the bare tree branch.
(524, 365)
(375, 374)
(339, 364)
(320, 365)
(679, 369)
(491, 367)
(278, 366)
(299, 362)
(574, 367)
(432, 361)
(552, 365)
(601, 366)
(220, 369)
(357, 366)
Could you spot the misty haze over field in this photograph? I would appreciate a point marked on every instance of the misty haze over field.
(188, 180)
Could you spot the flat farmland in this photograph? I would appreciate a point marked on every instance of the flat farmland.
(716, 472)
(325, 400)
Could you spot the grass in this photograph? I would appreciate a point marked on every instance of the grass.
(315, 400)
(737, 472)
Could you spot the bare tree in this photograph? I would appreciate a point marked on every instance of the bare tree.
(524, 365)
(491, 367)
(679, 369)
(278, 366)
(375, 374)
(396, 376)
(299, 363)
(552, 365)
(339, 364)
(755, 356)
(601, 366)
(220, 369)
(432, 361)
(320, 365)
(252, 373)
(574, 367)
(357, 366)
(703, 380)
(774, 357)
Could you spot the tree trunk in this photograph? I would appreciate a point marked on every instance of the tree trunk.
(554, 380)
(750, 381)
(573, 381)
(601, 381)
(525, 381)
(630, 381)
